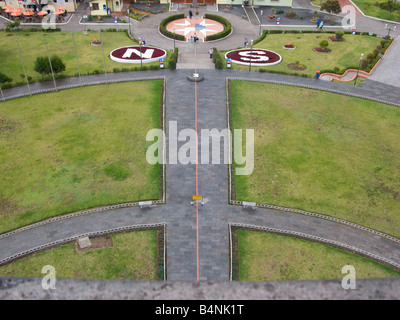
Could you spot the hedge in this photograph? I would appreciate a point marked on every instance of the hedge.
(165, 32)
(173, 60)
(227, 27)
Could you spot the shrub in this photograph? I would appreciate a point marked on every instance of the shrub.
(4, 78)
(331, 6)
(219, 64)
(227, 27)
(364, 64)
(324, 44)
(173, 60)
(163, 27)
(291, 14)
(339, 34)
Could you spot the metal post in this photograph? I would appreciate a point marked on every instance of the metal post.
(141, 60)
(76, 56)
(251, 53)
(51, 67)
(130, 26)
(104, 60)
(359, 66)
(2, 95)
(23, 67)
(389, 29)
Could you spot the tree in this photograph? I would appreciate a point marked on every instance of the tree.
(331, 6)
(42, 65)
(324, 44)
(57, 64)
(4, 78)
(339, 34)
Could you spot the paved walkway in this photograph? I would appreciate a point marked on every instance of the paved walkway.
(388, 70)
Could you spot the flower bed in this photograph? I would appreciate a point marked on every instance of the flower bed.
(289, 46)
(227, 27)
(296, 66)
(132, 54)
(334, 39)
(324, 50)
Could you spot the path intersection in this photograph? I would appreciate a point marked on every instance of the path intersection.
(199, 250)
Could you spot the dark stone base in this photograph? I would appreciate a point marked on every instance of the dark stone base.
(191, 77)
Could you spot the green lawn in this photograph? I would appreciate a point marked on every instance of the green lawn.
(90, 57)
(370, 8)
(270, 257)
(132, 257)
(75, 149)
(344, 55)
(321, 152)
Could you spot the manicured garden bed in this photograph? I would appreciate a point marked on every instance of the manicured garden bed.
(343, 55)
(321, 152)
(76, 149)
(60, 43)
(270, 257)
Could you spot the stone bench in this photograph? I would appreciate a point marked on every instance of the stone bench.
(144, 204)
(251, 205)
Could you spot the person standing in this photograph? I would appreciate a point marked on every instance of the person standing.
(190, 14)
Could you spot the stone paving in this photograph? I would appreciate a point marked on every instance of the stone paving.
(215, 215)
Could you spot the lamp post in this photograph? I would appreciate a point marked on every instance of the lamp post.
(23, 67)
(141, 61)
(251, 53)
(51, 66)
(389, 29)
(173, 29)
(130, 26)
(359, 66)
(76, 57)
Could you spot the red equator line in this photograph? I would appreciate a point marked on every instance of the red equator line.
(197, 166)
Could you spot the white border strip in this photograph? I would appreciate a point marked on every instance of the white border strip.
(145, 60)
(254, 63)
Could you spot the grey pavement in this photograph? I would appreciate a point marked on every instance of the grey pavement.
(388, 69)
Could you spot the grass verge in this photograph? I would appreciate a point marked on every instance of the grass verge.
(321, 152)
(270, 257)
(133, 256)
(76, 149)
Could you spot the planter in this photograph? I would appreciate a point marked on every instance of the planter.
(322, 50)
(334, 39)
(296, 67)
(289, 47)
(259, 57)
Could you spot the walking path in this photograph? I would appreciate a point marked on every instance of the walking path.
(388, 70)
(216, 214)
